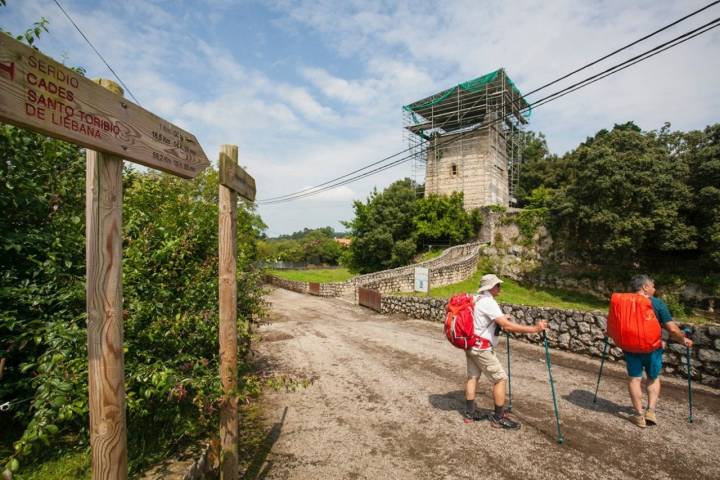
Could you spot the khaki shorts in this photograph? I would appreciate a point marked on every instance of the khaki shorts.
(479, 361)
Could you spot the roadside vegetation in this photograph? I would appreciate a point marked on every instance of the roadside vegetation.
(518, 294)
(515, 293)
(169, 267)
(170, 283)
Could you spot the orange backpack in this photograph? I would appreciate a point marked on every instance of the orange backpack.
(632, 323)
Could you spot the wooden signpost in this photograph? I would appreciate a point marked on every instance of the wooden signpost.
(39, 94)
(234, 181)
(42, 95)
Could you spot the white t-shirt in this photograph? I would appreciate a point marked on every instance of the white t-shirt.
(486, 311)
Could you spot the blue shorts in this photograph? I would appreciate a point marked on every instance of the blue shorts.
(650, 362)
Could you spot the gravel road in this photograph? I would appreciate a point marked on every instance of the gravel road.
(386, 398)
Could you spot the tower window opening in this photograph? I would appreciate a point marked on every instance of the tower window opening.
(453, 170)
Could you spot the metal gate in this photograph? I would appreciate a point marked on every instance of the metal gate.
(314, 288)
(369, 298)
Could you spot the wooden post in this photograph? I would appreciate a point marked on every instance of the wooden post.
(106, 387)
(228, 321)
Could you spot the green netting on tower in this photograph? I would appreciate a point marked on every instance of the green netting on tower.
(443, 95)
(470, 86)
(480, 82)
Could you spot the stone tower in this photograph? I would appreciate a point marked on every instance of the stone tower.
(467, 139)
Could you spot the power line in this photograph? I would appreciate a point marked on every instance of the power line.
(560, 93)
(634, 62)
(127, 89)
(637, 58)
(554, 96)
(335, 179)
(625, 47)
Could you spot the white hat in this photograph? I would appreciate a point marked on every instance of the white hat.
(488, 281)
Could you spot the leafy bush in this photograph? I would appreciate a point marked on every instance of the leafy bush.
(314, 246)
(391, 225)
(442, 219)
(170, 300)
(383, 233)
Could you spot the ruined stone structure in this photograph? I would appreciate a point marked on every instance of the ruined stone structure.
(466, 139)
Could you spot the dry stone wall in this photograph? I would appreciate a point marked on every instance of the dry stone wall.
(583, 332)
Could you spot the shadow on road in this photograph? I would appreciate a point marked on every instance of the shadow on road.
(584, 399)
(258, 468)
(452, 402)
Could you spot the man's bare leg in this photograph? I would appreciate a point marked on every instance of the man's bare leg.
(498, 392)
(635, 390)
(653, 389)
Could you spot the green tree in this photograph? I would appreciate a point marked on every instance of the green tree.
(700, 151)
(319, 246)
(382, 232)
(315, 246)
(442, 219)
(540, 168)
(625, 199)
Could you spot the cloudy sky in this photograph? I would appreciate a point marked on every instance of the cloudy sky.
(312, 89)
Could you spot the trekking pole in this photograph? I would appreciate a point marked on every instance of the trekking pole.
(602, 361)
(509, 408)
(689, 372)
(560, 438)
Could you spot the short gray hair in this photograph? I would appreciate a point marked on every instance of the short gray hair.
(639, 281)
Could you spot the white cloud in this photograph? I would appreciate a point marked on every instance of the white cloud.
(338, 88)
(438, 44)
(341, 109)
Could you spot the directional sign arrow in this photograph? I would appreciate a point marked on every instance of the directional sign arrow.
(237, 179)
(39, 94)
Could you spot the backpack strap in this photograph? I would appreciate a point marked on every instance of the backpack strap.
(482, 342)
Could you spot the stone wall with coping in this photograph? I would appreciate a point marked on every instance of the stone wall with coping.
(582, 332)
(454, 265)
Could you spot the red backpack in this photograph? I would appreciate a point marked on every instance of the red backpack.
(632, 323)
(460, 321)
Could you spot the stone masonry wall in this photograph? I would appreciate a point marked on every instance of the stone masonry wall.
(301, 287)
(474, 163)
(454, 265)
(582, 332)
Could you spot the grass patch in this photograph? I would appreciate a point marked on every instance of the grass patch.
(319, 275)
(74, 464)
(434, 253)
(513, 292)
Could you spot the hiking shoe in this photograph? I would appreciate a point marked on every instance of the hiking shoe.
(469, 417)
(504, 422)
(638, 420)
(650, 418)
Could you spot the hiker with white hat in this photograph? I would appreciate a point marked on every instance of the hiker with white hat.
(489, 319)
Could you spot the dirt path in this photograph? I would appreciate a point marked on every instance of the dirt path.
(386, 399)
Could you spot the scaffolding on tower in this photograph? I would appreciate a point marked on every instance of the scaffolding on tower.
(443, 121)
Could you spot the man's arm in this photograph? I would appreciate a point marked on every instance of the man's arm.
(510, 326)
(677, 334)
